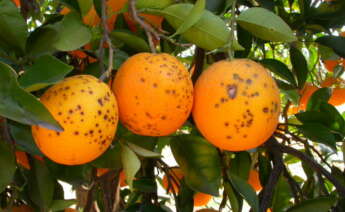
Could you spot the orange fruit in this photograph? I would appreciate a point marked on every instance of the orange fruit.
(293, 109)
(175, 173)
(269, 210)
(16, 2)
(22, 208)
(207, 210)
(306, 93)
(331, 64)
(342, 34)
(328, 82)
(201, 199)
(22, 159)
(87, 110)
(78, 54)
(154, 20)
(154, 92)
(70, 210)
(338, 97)
(254, 180)
(236, 104)
(101, 171)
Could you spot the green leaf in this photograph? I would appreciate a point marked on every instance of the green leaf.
(131, 164)
(85, 6)
(282, 195)
(23, 137)
(192, 18)
(131, 40)
(255, 21)
(153, 4)
(335, 121)
(145, 184)
(299, 65)
(240, 165)
(73, 34)
(20, 106)
(110, 159)
(210, 32)
(142, 151)
(7, 165)
(41, 185)
(321, 204)
(47, 70)
(58, 205)
(336, 43)
(265, 168)
(185, 198)
(12, 27)
(279, 69)
(320, 96)
(199, 161)
(42, 40)
(234, 199)
(246, 191)
(318, 133)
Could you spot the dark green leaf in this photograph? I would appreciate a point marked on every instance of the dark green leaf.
(246, 191)
(131, 40)
(282, 195)
(145, 184)
(240, 165)
(299, 65)
(245, 39)
(12, 27)
(185, 198)
(7, 165)
(279, 69)
(192, 18)
(234, 198)
(20, 106)
(199, 161)
(42, 40)
(210, 32)
(85, 6)
(318, 133)
(335, 42)
(320, 96)
(42, 185)
(142, 151)
(110, 159)
(255, 21)
(73, 34)
(321, 204)
(265, 168)
(335, 121)
(47, 70)
(144, 208)
(23, 138)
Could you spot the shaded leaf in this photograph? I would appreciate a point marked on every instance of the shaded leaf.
(336, 43)
(299, 65)
(7, 165)
(47, 70)
(321, 204)
(58, 205)
(318, 133)
(192, 18)
(246, 191)
(23, 137)
(240, 165)
(282, 195)
(199, 161)
(12, 27)
(255, 21)
(279, 69)
(320, 96)
(42, 40)
(145, 184)
(20, 106)
(110, 159)
(42, 185)
(73, 34)
(131, 40)
(234, 199)
(131, 164)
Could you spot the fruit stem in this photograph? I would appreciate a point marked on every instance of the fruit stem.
(232, 31)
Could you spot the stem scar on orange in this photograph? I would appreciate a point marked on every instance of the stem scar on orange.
(236, 104)
(87, 110)
(154, 92)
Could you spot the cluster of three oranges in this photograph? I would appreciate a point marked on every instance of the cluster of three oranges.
(235, 106)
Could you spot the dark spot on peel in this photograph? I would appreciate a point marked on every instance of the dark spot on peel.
(265, 109)
(231, 90)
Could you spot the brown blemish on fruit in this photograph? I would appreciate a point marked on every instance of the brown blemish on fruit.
(265, 109)
(231, 90)
(226, 124)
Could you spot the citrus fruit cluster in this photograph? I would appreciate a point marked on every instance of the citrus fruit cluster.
(236, 106)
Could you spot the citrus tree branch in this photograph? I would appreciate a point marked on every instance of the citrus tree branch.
(311, 162)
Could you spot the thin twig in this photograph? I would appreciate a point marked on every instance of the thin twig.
(117, 200)
(278, 167)
(311, 162)
(232, 30)
(295, 188)
(198, 62)
(105, 38)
